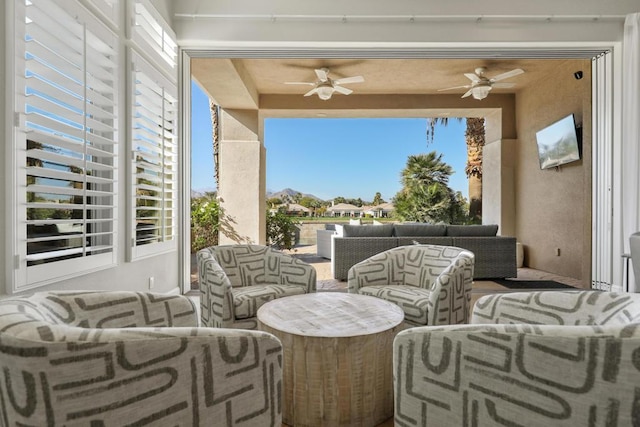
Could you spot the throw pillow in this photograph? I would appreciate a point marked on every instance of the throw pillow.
(472, 230)
(357, 221)
(385, 230)
(415, 230)
(339, 230)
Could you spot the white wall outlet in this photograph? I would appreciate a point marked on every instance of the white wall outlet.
(151, 282)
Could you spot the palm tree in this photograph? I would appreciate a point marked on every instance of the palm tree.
(424, 170)
(474, 136)
(425, 196)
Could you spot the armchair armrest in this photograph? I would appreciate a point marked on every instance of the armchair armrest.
(117, 309)
(450, 296)
(215, 292)
(489, 375)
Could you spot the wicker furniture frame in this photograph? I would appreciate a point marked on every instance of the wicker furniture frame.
(495, 257)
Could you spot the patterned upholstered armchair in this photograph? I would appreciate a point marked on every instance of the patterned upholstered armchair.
(131, 358)
(432, 284)
(554, 358)
(236, 280)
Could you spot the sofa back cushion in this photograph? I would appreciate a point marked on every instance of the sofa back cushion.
(385, 230)
(416, 230)
(472, 230)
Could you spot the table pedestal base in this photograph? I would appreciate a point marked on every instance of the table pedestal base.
(343, 381)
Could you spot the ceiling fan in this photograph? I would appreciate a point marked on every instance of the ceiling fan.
(481, 84)
(326, 86)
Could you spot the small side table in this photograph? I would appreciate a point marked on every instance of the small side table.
(626, 258)
(338, 357)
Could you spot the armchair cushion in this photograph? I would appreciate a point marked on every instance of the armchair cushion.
(412, 300)
(248, 299)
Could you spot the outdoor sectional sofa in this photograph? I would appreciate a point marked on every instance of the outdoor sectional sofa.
(495, 255)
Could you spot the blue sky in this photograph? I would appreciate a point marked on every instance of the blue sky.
(327, 157)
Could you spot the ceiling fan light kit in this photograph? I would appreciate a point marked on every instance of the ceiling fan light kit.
(480, 92)
(325, 92)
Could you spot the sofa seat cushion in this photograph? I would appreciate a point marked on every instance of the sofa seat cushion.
(248, 299)
(412, 300)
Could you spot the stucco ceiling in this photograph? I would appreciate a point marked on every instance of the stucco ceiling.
(242, 83)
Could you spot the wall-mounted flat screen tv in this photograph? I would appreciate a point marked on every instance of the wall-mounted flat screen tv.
(558, 143)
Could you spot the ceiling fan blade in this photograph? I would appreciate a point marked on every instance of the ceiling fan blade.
(506, 75)
(503, 85)
(473, 77)
(322, 74)
(455, 87)
(311, 92)
(346, 80)
(300, 83)
(342, 90)
(467, 93)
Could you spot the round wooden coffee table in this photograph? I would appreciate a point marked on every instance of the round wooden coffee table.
(338, 354)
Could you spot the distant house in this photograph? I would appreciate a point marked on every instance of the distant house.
(296, 209)
(291, 209)
(383, 210)
(344, 209)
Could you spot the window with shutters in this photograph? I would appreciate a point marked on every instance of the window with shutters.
(154, 149)
(154, 162)
(66, 141)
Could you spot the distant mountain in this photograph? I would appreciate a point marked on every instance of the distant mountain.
(290, 193)
(201, 192)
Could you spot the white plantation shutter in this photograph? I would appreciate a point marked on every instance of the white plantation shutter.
(67, 101)
(153, 35)
(108, 8)
(154, 159)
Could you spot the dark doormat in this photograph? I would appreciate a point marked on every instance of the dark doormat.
(531, 284)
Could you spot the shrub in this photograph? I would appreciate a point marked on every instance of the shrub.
(281, 230)
(205, 224)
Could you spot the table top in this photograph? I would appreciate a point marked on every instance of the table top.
(330, 314)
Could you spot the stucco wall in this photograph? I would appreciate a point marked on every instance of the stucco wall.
(553, 206)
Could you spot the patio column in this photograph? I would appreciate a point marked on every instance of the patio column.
(498, 187)
(242, 176)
